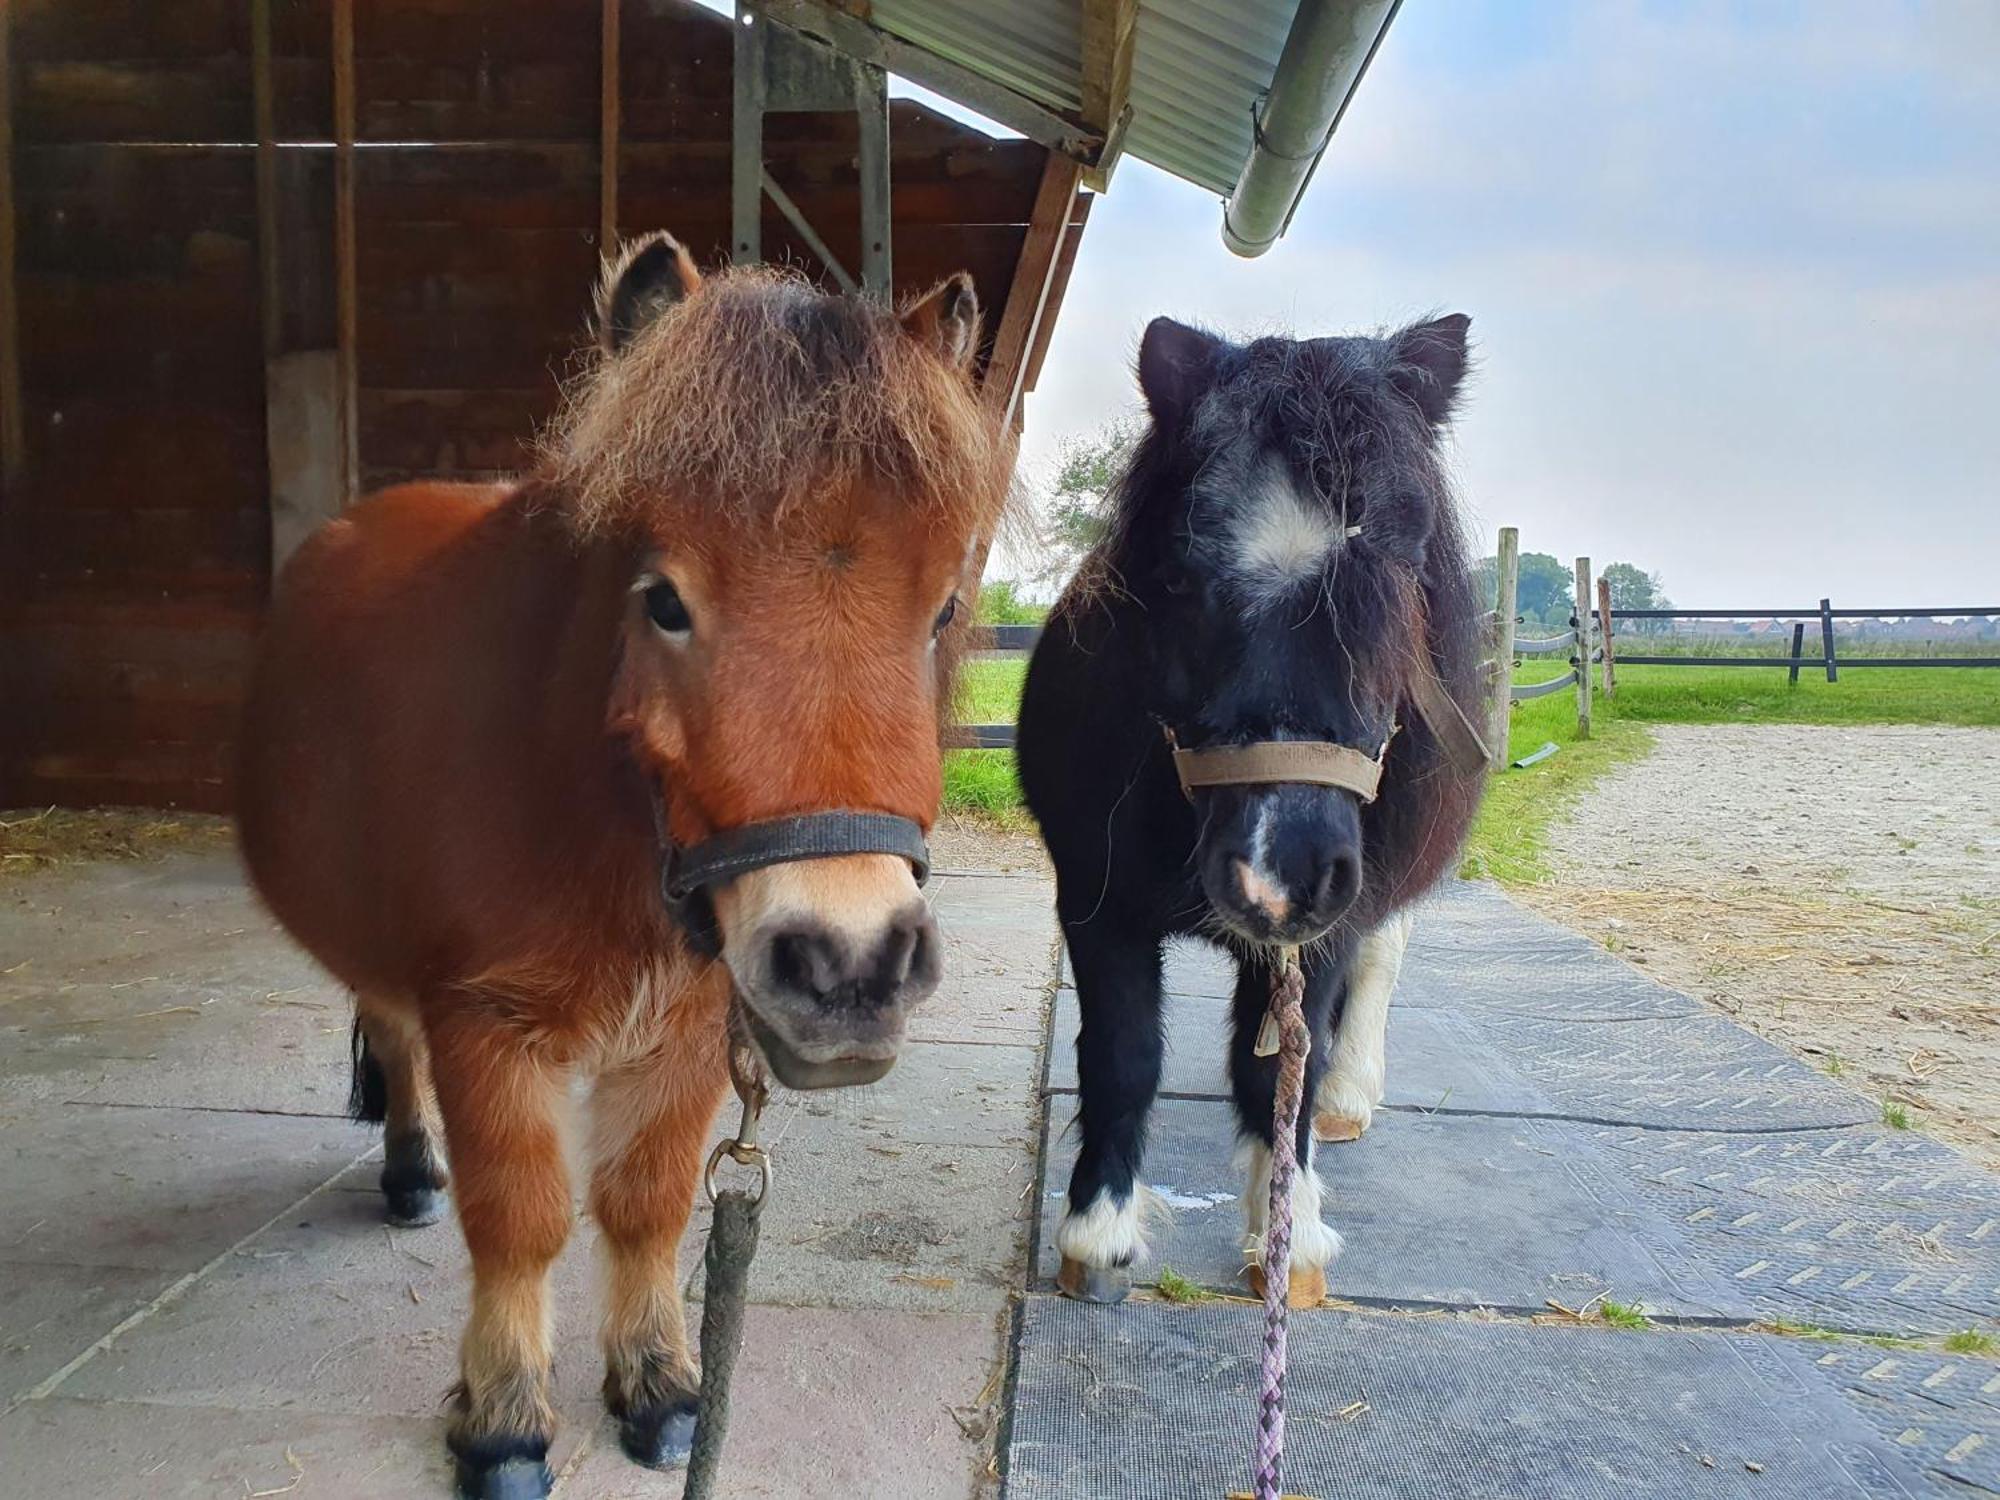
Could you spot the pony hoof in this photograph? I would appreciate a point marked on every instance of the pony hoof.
(1106, 1284)
(661, 1438)
(413, 1208)
(1331, 1128)
(1307, 1287)
(510, 1479)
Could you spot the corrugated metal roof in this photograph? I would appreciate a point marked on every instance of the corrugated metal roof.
(1198, 66)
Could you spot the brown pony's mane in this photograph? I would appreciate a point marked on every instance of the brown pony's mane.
(757, 391)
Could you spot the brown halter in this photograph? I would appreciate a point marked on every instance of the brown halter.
(1323, 763)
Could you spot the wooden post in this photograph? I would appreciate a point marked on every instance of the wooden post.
(609, 126)
(1582, 648)
(346, 356)
(1507, 581)
(13, 427)
(1604, 630)
(1798, 648)
(1826, 638)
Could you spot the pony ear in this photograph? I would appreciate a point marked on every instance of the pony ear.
(1176, 364)
(650, 275)
(1427, 363)
(946, 319)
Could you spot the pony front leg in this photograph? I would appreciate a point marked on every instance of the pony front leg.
(650, 1129)
(1357, 1078)
(500, 1104)
(1119, 1050)
(1315, 1244)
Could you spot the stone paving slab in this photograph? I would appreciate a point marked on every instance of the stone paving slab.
(60, 1448)
(1466, 1211)
(163, 1189)
(211, 1065)
(837, 1405)
(1153, 1402)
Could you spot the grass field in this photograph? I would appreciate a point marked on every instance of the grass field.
(1509, 840)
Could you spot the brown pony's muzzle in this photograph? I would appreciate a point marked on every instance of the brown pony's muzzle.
(829, 958)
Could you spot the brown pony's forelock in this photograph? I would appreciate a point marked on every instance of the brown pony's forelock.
(758, 391)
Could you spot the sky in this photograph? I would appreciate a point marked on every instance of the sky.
(1733, 272)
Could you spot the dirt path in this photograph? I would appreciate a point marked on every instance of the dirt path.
(1837, 889)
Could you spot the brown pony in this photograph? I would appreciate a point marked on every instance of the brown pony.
(728, 594)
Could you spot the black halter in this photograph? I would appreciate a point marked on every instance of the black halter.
(687, 874)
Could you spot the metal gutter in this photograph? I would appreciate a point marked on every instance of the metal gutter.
(1326, 53)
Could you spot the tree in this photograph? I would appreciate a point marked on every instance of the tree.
(1078, 507)
(1634, 588)
(1546, 592)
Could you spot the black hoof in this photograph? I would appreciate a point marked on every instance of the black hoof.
(660, 1438)
(1107, 1284)
(510, 1479)
(412, 1208)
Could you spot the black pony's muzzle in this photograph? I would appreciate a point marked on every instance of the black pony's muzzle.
(1280, 864)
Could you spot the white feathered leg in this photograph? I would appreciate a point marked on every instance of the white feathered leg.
(1315, 1243)
(1355, 1080)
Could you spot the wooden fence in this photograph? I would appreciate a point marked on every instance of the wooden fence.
(1591, 641)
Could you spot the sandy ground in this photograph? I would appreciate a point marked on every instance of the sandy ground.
(1836, 889)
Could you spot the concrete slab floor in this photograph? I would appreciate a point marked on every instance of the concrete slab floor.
(198, 1296)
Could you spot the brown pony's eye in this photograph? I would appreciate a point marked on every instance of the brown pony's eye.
(945, 616)
(665, 609)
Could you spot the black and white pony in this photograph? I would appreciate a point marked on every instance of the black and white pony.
(1283, 563)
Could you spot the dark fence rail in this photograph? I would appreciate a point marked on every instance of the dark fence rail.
(1828, 659)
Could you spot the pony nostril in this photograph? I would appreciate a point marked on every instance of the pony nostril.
(899, 951)
(1338, 884)
(807, 961)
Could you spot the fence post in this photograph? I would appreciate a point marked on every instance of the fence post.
(1507, 580)
(1798, 646)
(1604, 629)
(1826, 638)
(1582, 621)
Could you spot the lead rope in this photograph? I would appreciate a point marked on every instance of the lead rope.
(1285, 1025)
(732, 1242)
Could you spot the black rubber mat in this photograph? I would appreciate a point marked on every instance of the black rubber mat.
(1470, 1211)
(1435, 1059)
(1154, 1402)
(1941, 1409)
(1686, 1072)
(1882, 1231)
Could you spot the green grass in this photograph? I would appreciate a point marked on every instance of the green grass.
(1895, 1116)
(1618, 1315)
(1175, 1287)
(1509, 840)
(1971, 1341)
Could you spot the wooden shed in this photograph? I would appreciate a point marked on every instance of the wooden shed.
(267, 253)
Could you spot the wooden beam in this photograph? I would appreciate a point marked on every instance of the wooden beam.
(263, 111)
(608, 136)
(346, 351)
(1052, 309)
(1034, 276)
(13, 428)
(1110, 28)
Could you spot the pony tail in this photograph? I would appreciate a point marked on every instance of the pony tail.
(368, 1088)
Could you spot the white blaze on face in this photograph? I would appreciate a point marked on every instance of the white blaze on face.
(1282, 538)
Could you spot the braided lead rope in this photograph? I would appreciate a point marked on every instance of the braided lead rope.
(1294, 1041)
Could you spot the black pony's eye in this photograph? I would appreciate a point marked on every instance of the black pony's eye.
(1176, 579)
(945, 616)
(664, 608)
